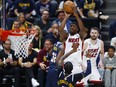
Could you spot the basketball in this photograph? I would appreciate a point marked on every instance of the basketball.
(68, 7)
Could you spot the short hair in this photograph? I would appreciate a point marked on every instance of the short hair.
(68, 67)
(7, 40)
(111, 47)
(17, 20)
(95, 28)
(54, 23)
(75, 23)
(51, 41)
(59, 11)
(45, 10)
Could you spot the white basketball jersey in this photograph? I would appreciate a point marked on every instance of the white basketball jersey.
(94, 50)
(75, 57)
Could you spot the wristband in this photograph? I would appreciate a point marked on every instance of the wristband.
(88, 58)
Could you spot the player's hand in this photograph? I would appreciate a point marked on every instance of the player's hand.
(88, 54)
(75, 11)
(100, 64)
(67, 15)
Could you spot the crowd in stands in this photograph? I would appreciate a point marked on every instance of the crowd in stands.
(60, 54)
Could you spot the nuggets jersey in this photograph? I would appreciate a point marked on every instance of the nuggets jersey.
(75, 58)
(65, 81)
(94, 50)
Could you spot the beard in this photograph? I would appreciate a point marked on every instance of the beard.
(6, 48)
(72, 33)
(93, 37)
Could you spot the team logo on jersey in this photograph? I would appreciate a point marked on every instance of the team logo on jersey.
(55, 48)
(93, 52)
(72, 40)
(64, 82)
(24, 4)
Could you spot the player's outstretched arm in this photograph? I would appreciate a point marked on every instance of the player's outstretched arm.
(83, 29)
(86, 72)
(62, 33)
(61, 60)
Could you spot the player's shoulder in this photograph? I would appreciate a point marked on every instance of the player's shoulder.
(87, 40)
(100, 41)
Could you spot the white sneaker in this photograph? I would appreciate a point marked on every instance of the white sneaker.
(34, 82)
(104, 17)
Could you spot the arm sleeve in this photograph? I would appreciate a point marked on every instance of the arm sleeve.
(79, 76)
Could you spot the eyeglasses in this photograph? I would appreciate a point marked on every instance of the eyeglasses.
(7, 44)
(47, 44)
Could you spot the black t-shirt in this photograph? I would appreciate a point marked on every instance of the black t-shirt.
(3, 56)
(31, 56)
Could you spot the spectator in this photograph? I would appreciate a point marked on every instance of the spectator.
(113, 42)
(94, 46)
(43, 62)
(8, 63)
(53, 35)
(16, 27)
(89, 8)
(8, 5)
(24, 24)
(27, 66)
(25, 6)
(110, 68)
(42, 5)
(44, 23)
(112, 31)
(60, 18)
(38, 39)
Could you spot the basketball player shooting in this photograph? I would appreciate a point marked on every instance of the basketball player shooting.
(77, 33)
